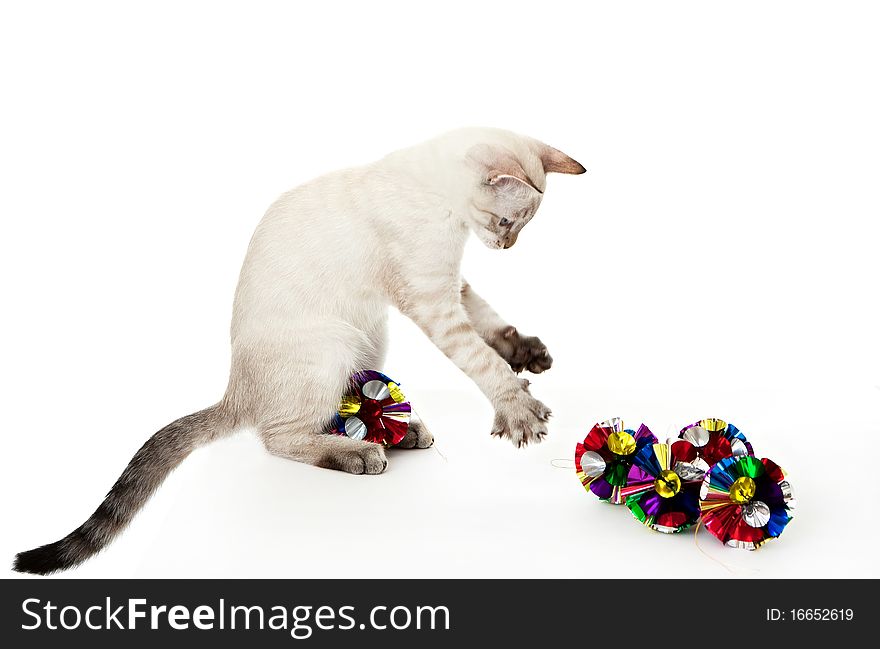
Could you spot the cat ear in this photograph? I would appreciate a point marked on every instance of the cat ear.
(507, 181)
(555, 161)
(501, 168)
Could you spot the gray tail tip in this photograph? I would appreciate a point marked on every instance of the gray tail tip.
(43, 560)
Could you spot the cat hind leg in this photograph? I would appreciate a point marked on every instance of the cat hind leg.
(292, 389)
(326, 450)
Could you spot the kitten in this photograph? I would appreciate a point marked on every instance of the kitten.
(323, 266)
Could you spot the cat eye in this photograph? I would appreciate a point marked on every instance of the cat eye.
(503, 222)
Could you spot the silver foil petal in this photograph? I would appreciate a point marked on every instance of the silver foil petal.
(696, 435)
(737, 447)
(592, 464)
(756, 513)
(615, 424)
(690, 471)
(375, 390)
(355, 428)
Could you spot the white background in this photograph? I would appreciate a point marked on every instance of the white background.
(719, 259)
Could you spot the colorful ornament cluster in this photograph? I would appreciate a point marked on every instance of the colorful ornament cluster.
(374, 410)
(708, 474)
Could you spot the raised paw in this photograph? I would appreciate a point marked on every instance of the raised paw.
(417, 436)
(522, 352)
(368, 459)
(521, 419)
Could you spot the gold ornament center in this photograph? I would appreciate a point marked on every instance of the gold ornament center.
(742, 490)
(621, 443)
(668, 484)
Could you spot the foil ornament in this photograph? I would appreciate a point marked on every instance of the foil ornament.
(374, 410)
(603, 460)
(715, 439)
(663, 486)
(746, 501)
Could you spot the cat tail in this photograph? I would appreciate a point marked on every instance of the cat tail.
(149, 467)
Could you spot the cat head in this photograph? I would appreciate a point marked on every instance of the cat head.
(511, 181)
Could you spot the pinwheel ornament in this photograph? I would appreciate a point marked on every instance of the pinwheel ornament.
(746, 501)
(603, 460)
(375, 410)
(715, 439)
(663, 486)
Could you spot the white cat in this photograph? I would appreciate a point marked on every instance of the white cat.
(324, 265)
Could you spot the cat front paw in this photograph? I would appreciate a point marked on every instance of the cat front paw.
(521, 352)
(521, 419)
